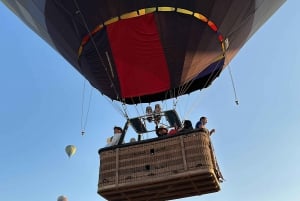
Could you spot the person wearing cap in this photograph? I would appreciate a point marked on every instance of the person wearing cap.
(114, 140)
(161, 131)
(201, 125)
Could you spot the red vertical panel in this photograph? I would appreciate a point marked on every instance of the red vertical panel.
(138, 56)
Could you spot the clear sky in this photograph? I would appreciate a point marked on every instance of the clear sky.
(257, 142)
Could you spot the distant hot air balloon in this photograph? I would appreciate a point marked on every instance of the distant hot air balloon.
(70, 150)
(62, 198)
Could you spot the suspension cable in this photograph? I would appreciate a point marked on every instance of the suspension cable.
(116, 106)
(125, 110)
(211, 77)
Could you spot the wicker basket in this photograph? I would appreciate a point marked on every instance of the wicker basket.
(159, 169)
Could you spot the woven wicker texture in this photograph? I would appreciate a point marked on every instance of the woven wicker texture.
(164, 169)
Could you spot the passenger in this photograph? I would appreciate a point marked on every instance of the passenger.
(201, 125)
(114, 140)
(161, 131)
(132, 140)
(174, 130)
(187, 126)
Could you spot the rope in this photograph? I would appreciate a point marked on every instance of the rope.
(82, 104)
(233, 86)
(84, 123)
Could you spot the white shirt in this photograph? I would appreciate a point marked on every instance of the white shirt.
(115, 140)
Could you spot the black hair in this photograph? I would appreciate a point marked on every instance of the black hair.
(187, 124)
(118, 128)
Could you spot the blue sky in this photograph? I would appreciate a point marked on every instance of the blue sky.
(257, 142)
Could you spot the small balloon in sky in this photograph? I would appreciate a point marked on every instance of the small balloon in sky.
(70, 150)
(62, 198)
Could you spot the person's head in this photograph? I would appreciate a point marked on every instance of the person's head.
(132, 139)
(162, 130)
(203, 120)
(187, 124)
(117, 129)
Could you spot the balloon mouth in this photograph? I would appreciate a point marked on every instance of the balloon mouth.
(201, 81)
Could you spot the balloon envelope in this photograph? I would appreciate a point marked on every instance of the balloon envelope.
(62, 198)
(70, 150)
(144, 51)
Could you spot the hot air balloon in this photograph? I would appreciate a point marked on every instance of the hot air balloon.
(62, 198)
(142, 51)
(70, 150)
